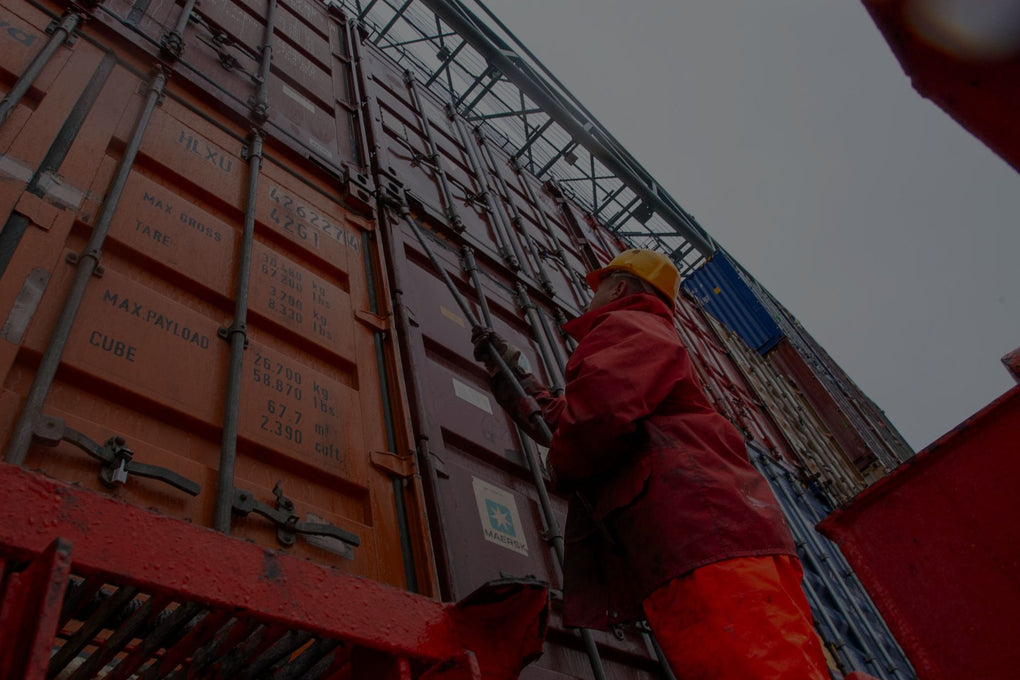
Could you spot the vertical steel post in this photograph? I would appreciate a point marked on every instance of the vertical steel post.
(403, 325)
(562, 319)
(88, 263)
(471, 267)
(68, 23)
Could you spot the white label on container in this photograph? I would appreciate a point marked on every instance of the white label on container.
(472, 396)
(501, 523)
(293, 94)
(453, 316)
(318, 146)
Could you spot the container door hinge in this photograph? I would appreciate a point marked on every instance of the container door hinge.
(115, 456)
(379, 323)
(395, 465)
(288, 524)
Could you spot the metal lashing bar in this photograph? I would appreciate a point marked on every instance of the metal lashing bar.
(562, 319)
(237, 336)
(259, 102)
(471, 267)
(535, 416)
(434, 157)
(88, 263)
(554, 362)
(515, 215)
(61, 32)
(508, 249)
(536, 413)
(550, 232)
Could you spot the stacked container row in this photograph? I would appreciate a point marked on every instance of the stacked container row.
(216, 303)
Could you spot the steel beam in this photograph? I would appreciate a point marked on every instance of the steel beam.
(582, 128)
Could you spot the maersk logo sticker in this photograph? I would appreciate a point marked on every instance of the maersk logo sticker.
(497, 509)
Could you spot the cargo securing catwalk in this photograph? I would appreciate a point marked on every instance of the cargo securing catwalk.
(243, 431)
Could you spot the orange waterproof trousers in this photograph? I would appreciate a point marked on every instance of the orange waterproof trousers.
(743, 618)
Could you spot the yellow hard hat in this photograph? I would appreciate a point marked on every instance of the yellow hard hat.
(652, 267)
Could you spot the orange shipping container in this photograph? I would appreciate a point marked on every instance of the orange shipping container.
(321, 435)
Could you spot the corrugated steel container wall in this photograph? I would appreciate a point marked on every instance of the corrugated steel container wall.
(733, 297)
(319, 416)
(724, 382)
(720, 289)
(887, 445)
(472, 457)
(854, 634)
(804, 437)
(937, 546)
(787, 360)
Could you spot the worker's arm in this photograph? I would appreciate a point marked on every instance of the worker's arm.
(623, 369)
(538, 398)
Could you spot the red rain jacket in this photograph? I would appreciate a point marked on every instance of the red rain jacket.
(665, 474)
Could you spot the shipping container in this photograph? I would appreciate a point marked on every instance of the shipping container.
(727, 291)
(244, 247)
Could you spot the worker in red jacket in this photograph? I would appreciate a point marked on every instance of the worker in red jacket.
(669, 521)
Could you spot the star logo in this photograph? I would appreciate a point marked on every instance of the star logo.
(499, 517)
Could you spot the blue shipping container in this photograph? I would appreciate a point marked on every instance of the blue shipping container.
(720, 288)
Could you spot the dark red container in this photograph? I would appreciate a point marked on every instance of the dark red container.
(789, 362)
(937, 546)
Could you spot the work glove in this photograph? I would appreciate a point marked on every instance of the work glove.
(482, 338)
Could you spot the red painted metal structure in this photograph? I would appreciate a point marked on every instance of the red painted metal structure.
(937, 545)
(100, 586)
(972, 80)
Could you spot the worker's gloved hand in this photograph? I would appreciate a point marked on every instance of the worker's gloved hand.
(484, 338)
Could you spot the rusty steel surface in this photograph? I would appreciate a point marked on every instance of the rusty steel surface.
(165, 586)
(936, 545)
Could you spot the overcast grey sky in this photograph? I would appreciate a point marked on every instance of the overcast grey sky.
(789, 130)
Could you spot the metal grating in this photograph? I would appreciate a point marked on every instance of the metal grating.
(109, 630)
(494, 81)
